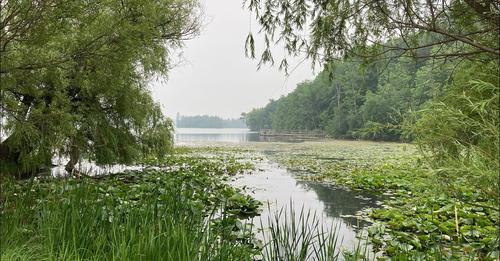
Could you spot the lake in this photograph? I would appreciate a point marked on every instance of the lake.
(278, 187)
(190, 135)
(187, 136)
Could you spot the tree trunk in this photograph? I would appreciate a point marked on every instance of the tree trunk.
(7, 152)
(9, 158)
(74, 156)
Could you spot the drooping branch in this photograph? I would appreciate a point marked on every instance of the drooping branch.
(352, 28)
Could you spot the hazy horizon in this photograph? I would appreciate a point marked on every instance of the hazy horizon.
(216, 78)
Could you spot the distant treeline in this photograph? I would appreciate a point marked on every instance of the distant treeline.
(207, 121)
(349, 99)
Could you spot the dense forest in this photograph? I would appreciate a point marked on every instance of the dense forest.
(207, 121)
(351, 99)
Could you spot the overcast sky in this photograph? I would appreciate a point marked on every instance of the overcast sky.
(216, 78)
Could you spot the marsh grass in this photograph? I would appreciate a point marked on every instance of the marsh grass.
(80, 224)
(83, 227)
(184, 213)
(293, 235)
(153, 214)
(77, 220)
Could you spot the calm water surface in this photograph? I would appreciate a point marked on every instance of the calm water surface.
(188, 136)
(278, 187)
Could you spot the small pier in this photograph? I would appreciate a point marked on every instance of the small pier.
(295, 134)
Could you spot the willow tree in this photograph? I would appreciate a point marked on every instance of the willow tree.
(74, 79)
(324, 30)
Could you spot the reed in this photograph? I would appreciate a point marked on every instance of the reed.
(83, 226)
(293, 235)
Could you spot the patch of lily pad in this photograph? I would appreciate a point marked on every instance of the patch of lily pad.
(417, 220)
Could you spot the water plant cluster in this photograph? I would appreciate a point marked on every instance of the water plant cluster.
(179, 210)
(420, 218)
(180, 207)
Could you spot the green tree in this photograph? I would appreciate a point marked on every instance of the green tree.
(350, 99)
(74, 78)
(260, 118)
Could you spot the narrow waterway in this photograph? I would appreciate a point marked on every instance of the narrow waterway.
(278, 188)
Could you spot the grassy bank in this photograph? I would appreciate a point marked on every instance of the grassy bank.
(181, 212)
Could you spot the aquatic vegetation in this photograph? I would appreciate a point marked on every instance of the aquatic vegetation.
(182, 207)
(179, 209)
(183, 211)
(292, 235)
(418, 219)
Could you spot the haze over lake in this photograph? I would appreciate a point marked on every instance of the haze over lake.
(233, 135)
(216, 78)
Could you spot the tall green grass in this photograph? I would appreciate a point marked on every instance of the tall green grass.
(293, 235)
(76, 222)
(82, 226)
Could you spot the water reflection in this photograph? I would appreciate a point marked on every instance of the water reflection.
(339, 202)
(188, 135)
(279, 187)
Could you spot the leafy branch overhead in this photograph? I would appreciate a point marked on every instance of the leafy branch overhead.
(329, 29)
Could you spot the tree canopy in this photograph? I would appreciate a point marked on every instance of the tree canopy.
(328, 29)
(368, 101)
(423, 70)
(74, 78)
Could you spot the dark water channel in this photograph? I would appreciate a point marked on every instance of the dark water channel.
(336, 207)
(278, 187)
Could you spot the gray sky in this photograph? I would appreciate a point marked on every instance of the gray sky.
(216, 77)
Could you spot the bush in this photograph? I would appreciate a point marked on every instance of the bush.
(458, 133)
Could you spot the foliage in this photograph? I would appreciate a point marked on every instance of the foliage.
(419, 219)
(459, 132)
(350, 99)
(300, 236)
(260, 118)
(154, 214)
(74, 79)
(327, 30)
(178, 209)
(446, 207)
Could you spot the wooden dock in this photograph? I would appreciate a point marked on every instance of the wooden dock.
(298, 134)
